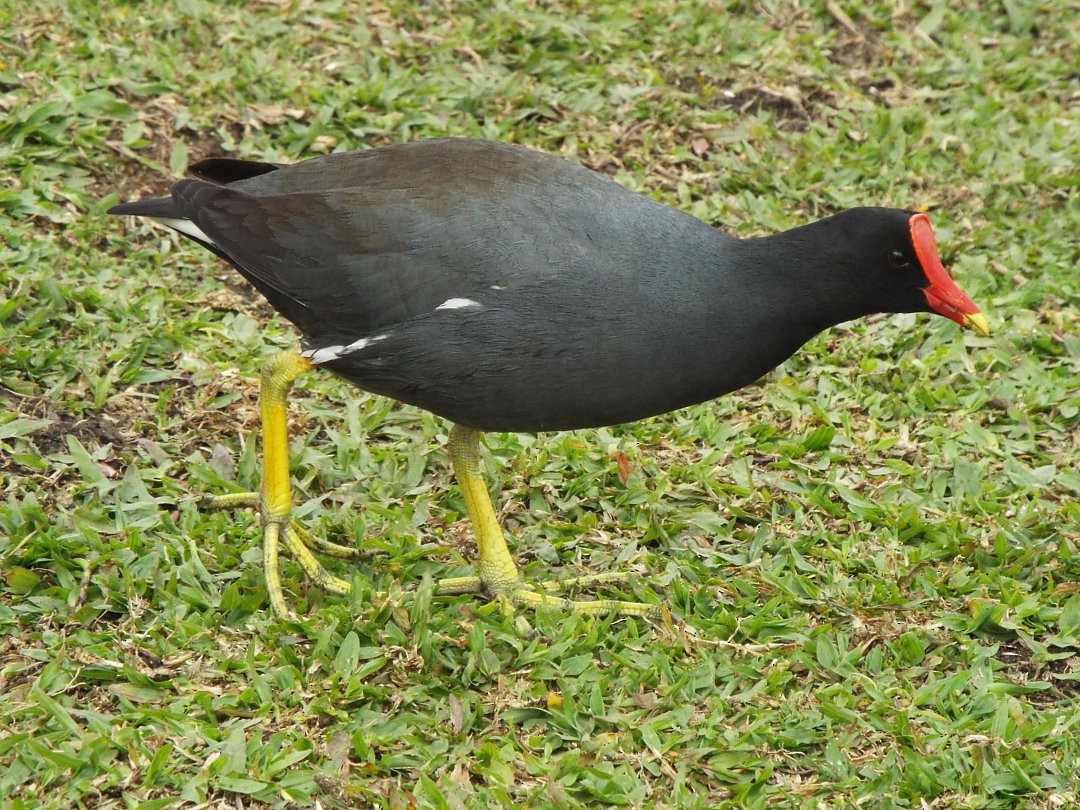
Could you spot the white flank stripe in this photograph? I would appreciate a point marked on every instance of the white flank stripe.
(457, 303)
(185, 226)
(323, 355)
(327, 353)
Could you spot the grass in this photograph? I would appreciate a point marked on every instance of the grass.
(873, 557)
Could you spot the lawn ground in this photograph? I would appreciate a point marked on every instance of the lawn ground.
(872, 557)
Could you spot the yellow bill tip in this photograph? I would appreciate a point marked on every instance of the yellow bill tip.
(976, 322)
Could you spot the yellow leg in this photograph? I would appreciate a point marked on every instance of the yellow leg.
(274, 499)
(275, 493)
(498, 574)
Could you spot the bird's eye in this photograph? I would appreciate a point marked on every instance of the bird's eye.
(897, 259)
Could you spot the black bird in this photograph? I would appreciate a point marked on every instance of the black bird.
(509, 290)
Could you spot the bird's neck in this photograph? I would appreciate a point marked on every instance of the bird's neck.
(815, 281)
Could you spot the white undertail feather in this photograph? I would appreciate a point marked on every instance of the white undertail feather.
(185, 226)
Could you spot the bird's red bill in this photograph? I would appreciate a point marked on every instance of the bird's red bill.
(942, 294)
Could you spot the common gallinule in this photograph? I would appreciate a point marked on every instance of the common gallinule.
(510, 290)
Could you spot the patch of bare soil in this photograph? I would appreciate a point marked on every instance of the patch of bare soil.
(237, 295)
(1021, 668)
(186, 413)
(174, 412)
(93, 433)
(857, 49)
(135, 178)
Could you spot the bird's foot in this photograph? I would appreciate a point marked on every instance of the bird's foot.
(240, 500)
(512, 592)
(281, 528)
(505, 587)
